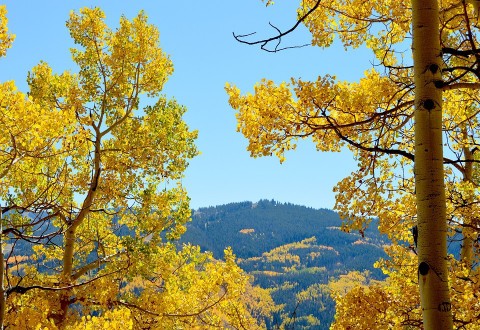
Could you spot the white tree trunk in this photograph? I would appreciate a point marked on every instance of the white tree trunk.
(429, 179)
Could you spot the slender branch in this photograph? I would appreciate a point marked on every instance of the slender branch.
(458, 52)
(30, 238)
(23, 289)
(265, 42)
(146, 311)
(463, 85)
(92, 265)
(369, 149)
(204, 309)
(454, 163)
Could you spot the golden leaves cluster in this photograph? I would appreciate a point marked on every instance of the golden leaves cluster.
(6, 38)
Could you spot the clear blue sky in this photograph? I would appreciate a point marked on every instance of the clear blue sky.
(198, 37)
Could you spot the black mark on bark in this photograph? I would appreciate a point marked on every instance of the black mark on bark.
(444, 306)
(423, 268)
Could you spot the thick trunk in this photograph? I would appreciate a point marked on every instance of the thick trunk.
(429, 179)
(68, 254)
(66, 280)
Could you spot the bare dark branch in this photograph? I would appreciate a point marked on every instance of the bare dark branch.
(265, 42)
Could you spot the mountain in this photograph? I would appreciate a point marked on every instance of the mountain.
(292, 250)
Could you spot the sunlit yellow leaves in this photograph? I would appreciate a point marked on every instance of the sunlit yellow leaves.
(125, 62)
(395, 302)
(276, 116)
(196, 292)
(116, 67)
(116, 319)
(392, 304)
(31, 311)
(29, 145)
(353, 22)
(464, 289)
(262, 116)
(6, 38)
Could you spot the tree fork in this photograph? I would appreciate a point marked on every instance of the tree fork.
(429, 176)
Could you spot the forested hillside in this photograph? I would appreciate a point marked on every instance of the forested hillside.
(293, 250)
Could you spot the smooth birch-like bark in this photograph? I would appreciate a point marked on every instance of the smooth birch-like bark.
(429, 177)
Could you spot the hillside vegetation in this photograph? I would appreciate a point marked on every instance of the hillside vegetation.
(294, 251)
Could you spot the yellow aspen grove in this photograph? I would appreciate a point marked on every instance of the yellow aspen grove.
(428, 169)
(91, 164)
(420, 187)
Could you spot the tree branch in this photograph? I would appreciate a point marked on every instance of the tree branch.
(464, 85)
(92, 265)
(462, 53)
(365, 148)
(264, 42)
